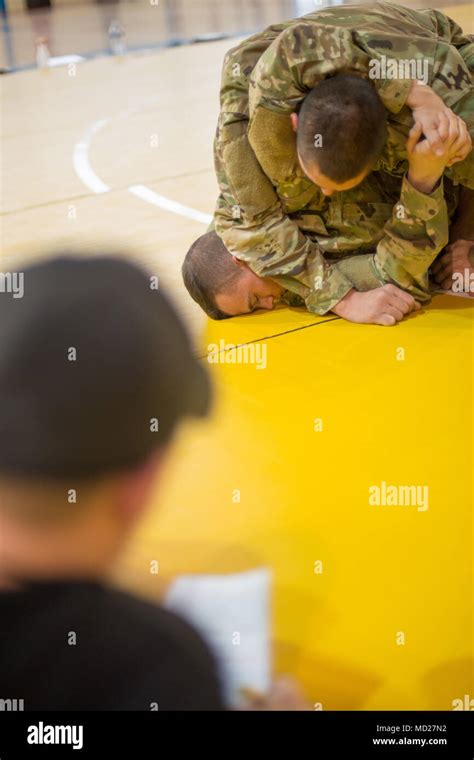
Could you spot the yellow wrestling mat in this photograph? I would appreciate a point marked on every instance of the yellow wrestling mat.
(371, 604)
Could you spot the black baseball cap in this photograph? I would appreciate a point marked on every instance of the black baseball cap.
(96, 369)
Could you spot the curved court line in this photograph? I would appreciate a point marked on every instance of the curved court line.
(90, 179)
(81, 162)
(177, 208)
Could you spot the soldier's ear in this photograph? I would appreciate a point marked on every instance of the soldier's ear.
(239, 262)
(294, 121)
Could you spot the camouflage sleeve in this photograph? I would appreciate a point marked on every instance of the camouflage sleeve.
(454, 83)
(273, 246)
(413, 237)
(450, 31)
(306, 53)
(452, 78)
(416, 233)
(359, 269)
(249, 217)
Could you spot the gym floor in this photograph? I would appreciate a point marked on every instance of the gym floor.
(116, 153)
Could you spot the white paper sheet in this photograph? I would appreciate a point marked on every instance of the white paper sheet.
(232, 613)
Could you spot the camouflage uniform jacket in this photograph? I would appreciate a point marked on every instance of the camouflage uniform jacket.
(272, 216)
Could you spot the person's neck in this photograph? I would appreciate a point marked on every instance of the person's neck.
(82, 548)
(31, 557)
(13, 578)
(7, 583)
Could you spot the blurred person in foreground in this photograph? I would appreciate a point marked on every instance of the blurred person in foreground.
(96, 372)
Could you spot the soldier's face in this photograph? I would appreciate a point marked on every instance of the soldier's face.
(329, 186)
(326, 185)
(248, 293)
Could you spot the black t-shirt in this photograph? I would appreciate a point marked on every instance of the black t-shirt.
(127, 655)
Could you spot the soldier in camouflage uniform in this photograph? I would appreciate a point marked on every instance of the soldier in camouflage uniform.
(270, 215)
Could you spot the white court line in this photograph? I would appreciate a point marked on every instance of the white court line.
(81, 162)
(90, 179)
(177, 208)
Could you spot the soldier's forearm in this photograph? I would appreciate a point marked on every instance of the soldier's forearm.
(414, 236)
(360, 270)
(462, 227)
(421, 95)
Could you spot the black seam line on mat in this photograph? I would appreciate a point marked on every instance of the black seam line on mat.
(91, 194)
(276, 335)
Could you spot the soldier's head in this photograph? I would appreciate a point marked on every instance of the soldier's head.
(341, 131)
(96, 374)
(223, 285)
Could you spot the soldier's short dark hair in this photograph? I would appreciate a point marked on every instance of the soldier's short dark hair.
(341, 127)
(207, 270)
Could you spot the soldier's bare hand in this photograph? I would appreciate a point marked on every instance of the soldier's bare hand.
(386, 306)
(428, 109)
(427, 165)
(462, 146)
(439, 124)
